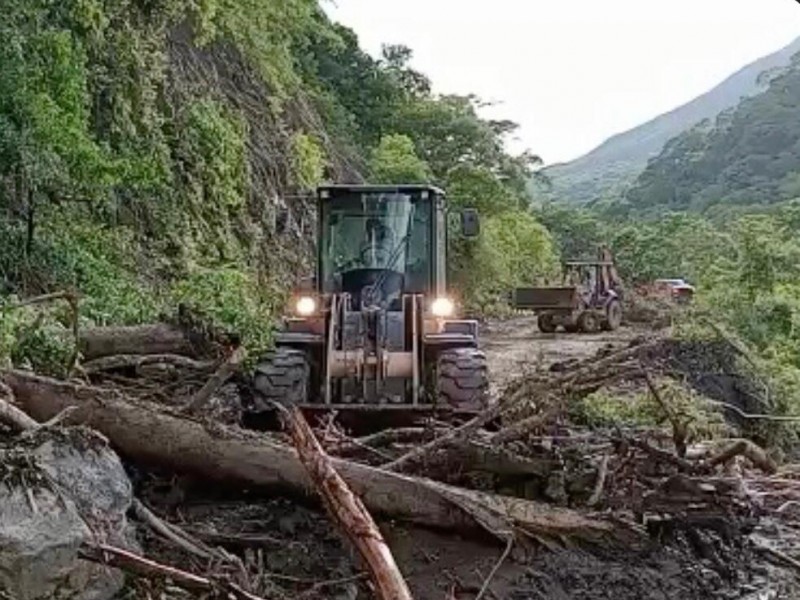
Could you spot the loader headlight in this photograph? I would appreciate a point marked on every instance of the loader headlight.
(305, 306)
(442, 307)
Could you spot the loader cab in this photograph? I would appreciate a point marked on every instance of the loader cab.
(377, 243)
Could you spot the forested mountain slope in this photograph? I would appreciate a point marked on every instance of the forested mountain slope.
(748, 156)
(147, 149)
(609, 169)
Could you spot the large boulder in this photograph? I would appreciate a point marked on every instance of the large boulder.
(60, 488)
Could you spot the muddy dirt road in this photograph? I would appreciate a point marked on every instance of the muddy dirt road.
(516, 346)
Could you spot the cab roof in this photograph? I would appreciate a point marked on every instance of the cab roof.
(382, 189)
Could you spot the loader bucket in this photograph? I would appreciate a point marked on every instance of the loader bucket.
(545, 298)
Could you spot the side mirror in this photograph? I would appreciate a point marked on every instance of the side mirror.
(281, 220)
(470, 223)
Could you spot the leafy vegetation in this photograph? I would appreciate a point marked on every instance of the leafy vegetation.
(700, 419)
(395, 160)
(749, 156)
(146, 149)
(718, 207)
(746, 272)
(611, 168)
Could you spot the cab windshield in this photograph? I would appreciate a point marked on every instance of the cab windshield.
(376, 232)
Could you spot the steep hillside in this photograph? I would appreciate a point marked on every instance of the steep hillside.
(749, 156)
(147, 148)
(609, 169)
(163, 154)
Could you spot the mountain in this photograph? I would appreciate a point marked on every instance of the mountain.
(749, 155)
(610, 168)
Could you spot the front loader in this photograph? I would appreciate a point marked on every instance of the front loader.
(377, 329)
(589, 298)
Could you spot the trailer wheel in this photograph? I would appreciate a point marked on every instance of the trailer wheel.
(589, 322)
(282, 377)
(462, 379)
(546, 323)
(613, 316)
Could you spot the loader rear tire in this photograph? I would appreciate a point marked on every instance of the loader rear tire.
(546, 323)
(463, 379)
(283, 377)
(589, 322)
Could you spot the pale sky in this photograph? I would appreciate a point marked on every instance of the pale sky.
(574, 72)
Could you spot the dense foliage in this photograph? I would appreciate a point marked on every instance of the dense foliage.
(750, 155)
(746, 271)
(611, 168)
(146, 150)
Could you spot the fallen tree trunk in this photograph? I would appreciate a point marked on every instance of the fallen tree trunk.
(347, 510)
(137, 361)
(217, 380)
(10, 414)
(142, 339)
(146, 433)
(750, 451)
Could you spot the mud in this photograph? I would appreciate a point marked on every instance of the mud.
(516, 346)
(297, 546)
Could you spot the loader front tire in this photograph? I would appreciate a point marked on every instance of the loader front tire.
(546, 323)
(282, 377)
(463, 379)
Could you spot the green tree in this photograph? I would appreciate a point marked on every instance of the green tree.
(762, 255)
(514, 249)
(395, 161)
(477, 187)
(577, 232)
(47, 149)
(679, 245)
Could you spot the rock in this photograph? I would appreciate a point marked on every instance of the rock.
(39, 541)
(60, 489)
(82, 464)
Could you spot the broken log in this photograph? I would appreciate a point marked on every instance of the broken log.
(135, 361)
(755, 454)
(144, 567)
(161, 338)
(374, 441)
(225, 371)
(11, 415)
(489, 458)
(347, 510)
(602, 473)
(459, 434)
(146, 433)
(170, 532)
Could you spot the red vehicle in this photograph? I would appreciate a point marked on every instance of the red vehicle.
(678, 289)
